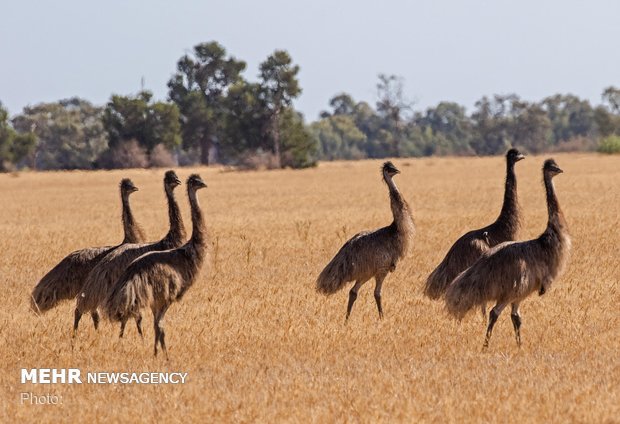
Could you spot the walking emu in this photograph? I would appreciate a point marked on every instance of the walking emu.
(66, 279)
(103, 276)
(371, 254)
(470, 246)
(157, 279)
(511, 271)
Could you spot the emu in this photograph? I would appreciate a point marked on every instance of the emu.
(470, 246)
(157, 279)
(511, 271)
(66, 279)
(103, 276)
(371, 254)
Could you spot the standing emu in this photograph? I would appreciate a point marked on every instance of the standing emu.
(511, 271)
(66, 279)
(103, 276)
(470, 246)
(157, 279)
(371, 254)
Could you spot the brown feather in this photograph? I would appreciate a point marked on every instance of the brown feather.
(368, 254)
(470, 246)
(66, 279)
(511, 271)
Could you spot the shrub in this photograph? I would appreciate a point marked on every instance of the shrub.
(610, 144)
(162, 157)
(258, 160)
(128, 154)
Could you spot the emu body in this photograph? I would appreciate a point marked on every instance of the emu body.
(471, 245)
(66, 279)
(103, 276)
(371, 254)
(511, 271)
(157, 279)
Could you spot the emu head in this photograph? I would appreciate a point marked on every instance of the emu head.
(127, 186)
(551, 168)
(514, 156)
(388, 169)
(195, 182)
(171, 180)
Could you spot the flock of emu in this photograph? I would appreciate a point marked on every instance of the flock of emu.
(484, 265)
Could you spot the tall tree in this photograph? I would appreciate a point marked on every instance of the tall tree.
(391, 105)
(138, 118)
(279, 86)
(451, 129)
(611, 96)
(492, 122)
(69, 134)
(13, 146)
(198, 88)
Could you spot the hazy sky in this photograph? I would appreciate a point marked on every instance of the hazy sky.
(445, 50)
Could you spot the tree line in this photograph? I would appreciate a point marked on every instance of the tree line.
(214, 115)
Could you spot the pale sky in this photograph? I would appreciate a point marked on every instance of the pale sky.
(444, 49)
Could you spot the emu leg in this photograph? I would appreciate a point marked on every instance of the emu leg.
(156, 327)
(497, 309)
(95, 316)
(516, 322)
(379, 282)
(160, 335)
(76, 320)
(123, 323)
(353, 296)
(139, 325)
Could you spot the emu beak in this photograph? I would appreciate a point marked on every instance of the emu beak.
(177, 181)
(520, 156)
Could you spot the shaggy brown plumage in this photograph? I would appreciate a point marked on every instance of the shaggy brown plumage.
(470, 246)
(371, 254)
(65, 280)
(157, 279)
(103, 276)
(511, 271)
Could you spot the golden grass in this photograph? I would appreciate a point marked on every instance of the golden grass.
(260, 344)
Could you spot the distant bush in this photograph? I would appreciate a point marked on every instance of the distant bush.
(575, 144)
(258, 159)
(610, 144)
(161, 157)
(128, 154)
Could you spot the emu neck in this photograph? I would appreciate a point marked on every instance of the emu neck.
(199, 232)
(133, 234)
(556, 221)
(176, 234)
(400, 209)
(509, 215)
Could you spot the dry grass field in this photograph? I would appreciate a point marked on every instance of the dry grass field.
(260, 345)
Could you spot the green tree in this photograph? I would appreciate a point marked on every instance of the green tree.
(198, 88)
(138, 118)
(570, 117)
(279, 86)
(450, 130)
(245, 125)
(339, 138)
(69, 134)
(531, 128)
(14, 147)
(611, 96)
(299, 146)
(391, 105)
(492, 124)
